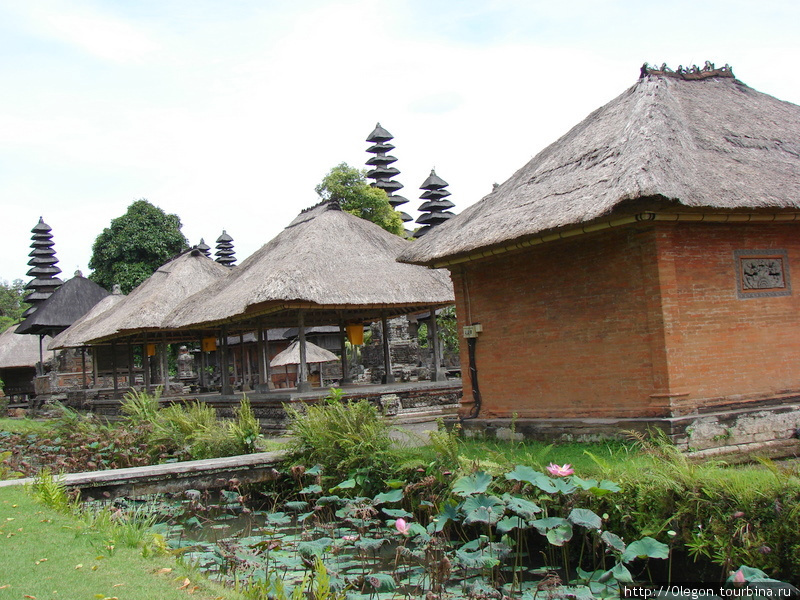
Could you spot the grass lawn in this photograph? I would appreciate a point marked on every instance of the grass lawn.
(45, 554)
(26, 425)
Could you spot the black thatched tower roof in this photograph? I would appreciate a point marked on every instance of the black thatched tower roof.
(381, 172)
(686, 141)
(65, 306)
(204, 248)
(43, 267)
(436, 205)
(225, 254)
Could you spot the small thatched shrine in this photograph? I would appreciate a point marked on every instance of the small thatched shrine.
(639, 271)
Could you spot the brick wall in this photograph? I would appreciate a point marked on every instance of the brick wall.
(638, 322)
(722, 349)
(567, 328)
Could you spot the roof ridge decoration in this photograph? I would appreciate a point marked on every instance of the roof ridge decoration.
(693, 72)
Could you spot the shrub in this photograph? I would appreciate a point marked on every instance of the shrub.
(141, 407)
(341, 436)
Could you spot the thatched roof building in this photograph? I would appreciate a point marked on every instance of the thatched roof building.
(73, 299)
(17, 350)
(146, 307)
(637, 272)
(669, 143)
(333, 265)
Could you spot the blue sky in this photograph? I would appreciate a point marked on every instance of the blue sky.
(228, 113)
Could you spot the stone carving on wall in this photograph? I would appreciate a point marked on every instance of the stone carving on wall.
(761, 273)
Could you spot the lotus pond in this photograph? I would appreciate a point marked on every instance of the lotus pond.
(518, 535)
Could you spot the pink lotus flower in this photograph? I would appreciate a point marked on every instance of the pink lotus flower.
(402, 526)
(560, 471)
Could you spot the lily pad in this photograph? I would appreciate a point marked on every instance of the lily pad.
(509, 523)
(521, 507)
(646, 547)
(585, 518)
(388, 497)
(477, 483)
(527, 474)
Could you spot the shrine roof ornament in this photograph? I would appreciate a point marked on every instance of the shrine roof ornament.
(693, 72)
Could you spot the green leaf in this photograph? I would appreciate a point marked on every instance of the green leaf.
(347, 484)
(613, 540)
(314, 547)
(509, 523)
(558, 536)
(312, 489)
(448, 513)
(477, 483)
(482, 508)
(370, 544)
(646, 547)
(620, 573)
(381, 582)
(388, 497)
(542, 525)
(396, 513)
(522, 507)
(536, 478)
(585, 518)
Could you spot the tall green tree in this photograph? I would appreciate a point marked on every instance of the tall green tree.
(349, 187)
(135, 245)
(11, 304)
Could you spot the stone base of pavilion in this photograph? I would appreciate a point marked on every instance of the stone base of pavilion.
(404, 403)
(767, 429)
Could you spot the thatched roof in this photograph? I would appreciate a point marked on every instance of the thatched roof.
(710, 143)
(326, 260)
(147, 306)
(75, 335)
(73, 299)
(19, 350)
(291, 356)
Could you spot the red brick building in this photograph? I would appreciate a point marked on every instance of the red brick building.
(639, 271)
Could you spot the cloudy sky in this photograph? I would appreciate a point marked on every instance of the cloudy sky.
(229, 112)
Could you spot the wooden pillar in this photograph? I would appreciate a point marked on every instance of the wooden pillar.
(267, 368)
(131, 366)
(342, 339)
(303, 385)
(40, 365)
(146, 365)
(437, 371)
(164, 364)
(226, 383)
(247, 371)
(114, 367)
(387, 358)
(94, 366)
(83, 367)
(201, 367)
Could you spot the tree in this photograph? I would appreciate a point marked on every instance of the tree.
(135, 245)
(349, 187)
(11, 304)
